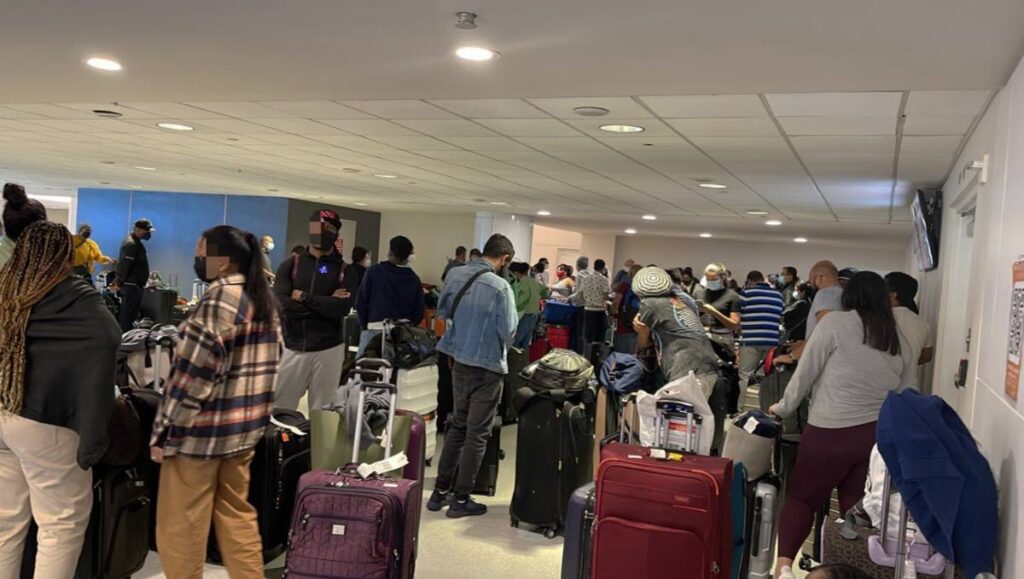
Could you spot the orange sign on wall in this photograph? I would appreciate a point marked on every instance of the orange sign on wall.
(1016, 338)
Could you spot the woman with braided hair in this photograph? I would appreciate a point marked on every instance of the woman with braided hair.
(58, 344)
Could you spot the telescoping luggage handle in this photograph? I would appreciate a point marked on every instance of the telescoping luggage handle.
(375, 372)
(902, 549)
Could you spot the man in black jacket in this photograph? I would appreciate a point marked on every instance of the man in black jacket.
(133, 272)
(315, 294)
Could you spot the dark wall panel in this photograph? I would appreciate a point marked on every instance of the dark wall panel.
(367, 225)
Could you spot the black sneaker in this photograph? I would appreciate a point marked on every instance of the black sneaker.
(467, 507)
(438, 500)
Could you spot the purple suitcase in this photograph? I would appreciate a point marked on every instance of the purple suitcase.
(346, 526)
(417, 449)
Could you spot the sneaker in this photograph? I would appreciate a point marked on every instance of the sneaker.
(785, 573)
(438, 500)
(467, 507)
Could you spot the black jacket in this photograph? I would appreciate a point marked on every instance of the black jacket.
(71, 350)
(313, 324)
(133, 263)
(358, 272)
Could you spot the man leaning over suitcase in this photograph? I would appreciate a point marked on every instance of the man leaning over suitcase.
(480, 304)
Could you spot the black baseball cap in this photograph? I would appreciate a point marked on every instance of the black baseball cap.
(145, 224)
(848, 272)
(326, 216)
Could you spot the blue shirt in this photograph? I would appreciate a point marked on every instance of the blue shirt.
(486, 321)
(760, 316)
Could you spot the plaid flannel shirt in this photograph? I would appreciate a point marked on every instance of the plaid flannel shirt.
(220, 395)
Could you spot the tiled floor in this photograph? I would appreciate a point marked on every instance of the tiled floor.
(470, 548)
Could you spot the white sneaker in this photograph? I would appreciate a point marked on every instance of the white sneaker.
(785, 573)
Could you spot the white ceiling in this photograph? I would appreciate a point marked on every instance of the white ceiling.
(827, 114)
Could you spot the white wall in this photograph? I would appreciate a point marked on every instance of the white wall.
(742, 257)
(517, 228)
(434, 237)
(555, 244)
(600, 246)
(996, 419)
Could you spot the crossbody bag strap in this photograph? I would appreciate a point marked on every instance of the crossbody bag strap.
(462, 292)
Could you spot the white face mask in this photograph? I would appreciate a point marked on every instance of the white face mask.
(270, 246)
(715, 285)
(412, 259)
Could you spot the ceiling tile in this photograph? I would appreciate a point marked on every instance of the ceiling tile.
(946, 145)
(845, 144)
(851, 104)
(316, 109)
(530, 127)
(418, 143)
(839, 126)
(85, 110)
(370, 127)
(400, 109)
(172, 111)
(447, 127)
(242, 110)
(933, 125)
(725, 127)
(43, 111)
(618, 107)
(298, 126)
(565, 144)
(486, 143)
(491, 108)
(706, 106)
(943, 103)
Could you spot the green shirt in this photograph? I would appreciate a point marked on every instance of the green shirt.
(528, 293)
(6, 249)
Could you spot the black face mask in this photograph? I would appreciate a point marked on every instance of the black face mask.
(87, 234)
(147, 235)
(200, 269)
(324, 240)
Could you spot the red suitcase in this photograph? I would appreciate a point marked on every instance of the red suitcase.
(538, 349)
(346, 526)
(662, 519)
(559, 337)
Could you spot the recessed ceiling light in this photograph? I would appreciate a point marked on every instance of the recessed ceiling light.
(387, 176)
(622, 128)
(499, 203)
(136, 186)
(714, 186)
(360, 204)
(650, 217)
(476, 53)
(773, 223)
(758, 213)
(175, 127)
(351, 170)
(104, 64)
(232, 139)
(106, 114)
(705, 235)
(108, 162)
(544, 213)
(143, 168)
(590, 111)
(631, 231)
(800, 239)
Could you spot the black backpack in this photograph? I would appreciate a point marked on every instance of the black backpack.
(408, 345)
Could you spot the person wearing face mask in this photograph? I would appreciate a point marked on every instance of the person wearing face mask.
(481, 309)
(132, 272)
(315, 291)
(215, 409)
(566, 282)
(266, 246)
(87, 253)
(360, 263)
(720, 305)
(789, 281)
(391, 290)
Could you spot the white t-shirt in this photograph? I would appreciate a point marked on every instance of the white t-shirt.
(917, 332)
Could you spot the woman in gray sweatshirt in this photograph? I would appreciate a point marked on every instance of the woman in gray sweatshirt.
(852, 361)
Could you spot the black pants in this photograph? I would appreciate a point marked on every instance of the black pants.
(477, 392)
(445, 401)
(595, 326)
(131, 303)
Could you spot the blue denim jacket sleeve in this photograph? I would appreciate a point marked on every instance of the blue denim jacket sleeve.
(485, 322)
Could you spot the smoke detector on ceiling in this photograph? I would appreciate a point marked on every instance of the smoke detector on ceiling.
(590, 111)
(466, 20)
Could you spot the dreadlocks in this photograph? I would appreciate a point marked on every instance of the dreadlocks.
(41, 260)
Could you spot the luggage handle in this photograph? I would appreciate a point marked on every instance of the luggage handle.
(902, 548)
(392, 405)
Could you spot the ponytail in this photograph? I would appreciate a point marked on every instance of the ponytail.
(243, 249)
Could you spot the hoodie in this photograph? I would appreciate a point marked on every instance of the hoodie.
(71, 349)
(390, 292)
(313, 324)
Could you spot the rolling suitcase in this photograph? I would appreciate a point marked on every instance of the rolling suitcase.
(345, 525)
(762, 522)
(281, 458)
(539, 348)
(579, 524)
(662, 519)
(517, 361)
(559, 337)
(555, 450)
(487, 477)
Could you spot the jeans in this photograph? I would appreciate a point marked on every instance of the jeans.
(131, 304)
(524, 333)
(625, 343)
(477, 392)
(365, 337)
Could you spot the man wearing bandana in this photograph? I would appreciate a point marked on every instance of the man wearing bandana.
(315, 295)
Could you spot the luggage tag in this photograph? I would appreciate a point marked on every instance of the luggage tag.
(394, 462)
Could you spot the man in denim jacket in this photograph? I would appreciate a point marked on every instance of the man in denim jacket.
(482, 329)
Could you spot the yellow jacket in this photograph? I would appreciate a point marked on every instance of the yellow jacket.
(87, 253)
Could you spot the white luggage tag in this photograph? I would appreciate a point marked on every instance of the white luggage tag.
(293, 429)
(394, 462)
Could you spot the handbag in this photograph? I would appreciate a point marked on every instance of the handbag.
(124, 432)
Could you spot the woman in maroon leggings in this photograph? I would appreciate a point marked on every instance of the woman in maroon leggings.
(851, 362)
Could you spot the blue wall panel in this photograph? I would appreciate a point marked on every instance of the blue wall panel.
(262, 216)
(106, 210)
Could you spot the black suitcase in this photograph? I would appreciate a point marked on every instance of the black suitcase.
(282, 457)
(517, 360)
(158, 305)
(554, 456)
(487, 477)
(579, 525)
(147, 403)
(117, 540)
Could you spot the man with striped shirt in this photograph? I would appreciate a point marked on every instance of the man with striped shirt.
(760, 318)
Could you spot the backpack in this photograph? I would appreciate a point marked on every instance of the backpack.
(341, 272)
(408, 345)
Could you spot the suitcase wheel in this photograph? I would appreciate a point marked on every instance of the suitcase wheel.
(550, 533)
(501, 455)
(515, 524)
(491, 491)
(806, 563)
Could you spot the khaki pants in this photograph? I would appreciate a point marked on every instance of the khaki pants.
(39, 466)
(192, 494)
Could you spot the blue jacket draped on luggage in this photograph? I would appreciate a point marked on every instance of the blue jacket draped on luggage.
(946, 482)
